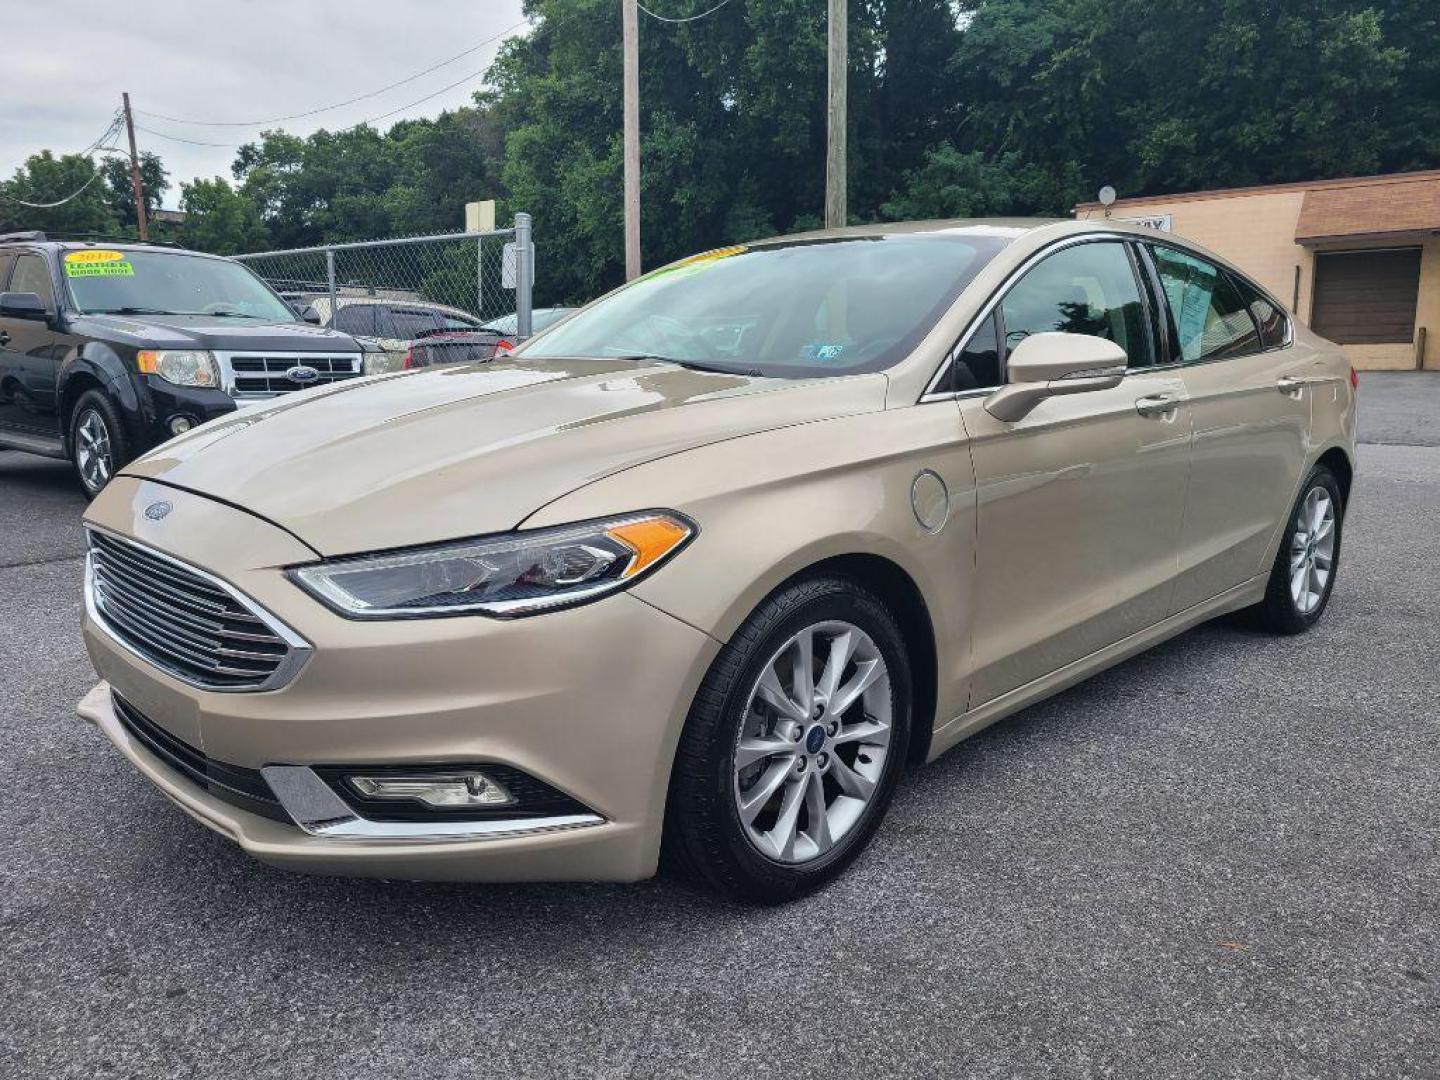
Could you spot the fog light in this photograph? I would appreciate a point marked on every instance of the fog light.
(180, 424)
(440, 790)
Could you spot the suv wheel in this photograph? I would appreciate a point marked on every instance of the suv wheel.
(1309, 555)
(794, 744)
(97, 441)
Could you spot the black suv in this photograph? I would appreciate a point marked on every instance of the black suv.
(107, 350)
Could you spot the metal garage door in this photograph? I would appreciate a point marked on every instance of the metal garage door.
(1366, 297)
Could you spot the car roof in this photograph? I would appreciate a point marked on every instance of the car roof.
(1005, 228)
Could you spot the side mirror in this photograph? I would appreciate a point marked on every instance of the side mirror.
(1049, 364)
(22, 305)
(311, 316)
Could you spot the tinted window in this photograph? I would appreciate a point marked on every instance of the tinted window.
(6, 260)
(406, 324)
(1273, 324)
(978, 365)
(32, 275)
(1084, 289)
(1211, 320)
(455, 322)
(356, 319)
(792, 309)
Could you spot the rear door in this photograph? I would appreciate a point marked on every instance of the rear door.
(30, 361)
(1249, 389)
(1079, 503)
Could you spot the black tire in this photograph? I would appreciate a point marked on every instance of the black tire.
(704, 835)
(95, 406)
(1280, 612)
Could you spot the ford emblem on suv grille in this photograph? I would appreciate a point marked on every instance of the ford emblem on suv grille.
(302, 374)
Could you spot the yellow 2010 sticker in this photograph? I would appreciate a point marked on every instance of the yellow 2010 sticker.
(94, 255)
(99, 269)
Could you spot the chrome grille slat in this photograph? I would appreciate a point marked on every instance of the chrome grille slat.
(211, 616)
(184, 621)
(262, 374)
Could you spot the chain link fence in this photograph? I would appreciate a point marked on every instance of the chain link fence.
(392, 292)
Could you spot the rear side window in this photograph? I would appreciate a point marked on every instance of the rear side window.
(1268, 316)
(1084, 289)
(406, 324)
(1211, 319)
(6, 260)
(356, 319)
(32, 275)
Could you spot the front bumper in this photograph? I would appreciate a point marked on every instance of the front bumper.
(588, 700)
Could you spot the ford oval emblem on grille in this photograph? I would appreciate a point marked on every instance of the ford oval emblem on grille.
(157, 510)
(302, 374)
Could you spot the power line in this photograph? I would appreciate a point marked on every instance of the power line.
(686, 19)
(339, 104)
(94, 148)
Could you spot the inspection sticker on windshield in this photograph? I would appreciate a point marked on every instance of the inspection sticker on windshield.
(97, 264)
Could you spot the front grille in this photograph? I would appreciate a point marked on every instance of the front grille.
(185, 622)
(255, 375)
(241, 787)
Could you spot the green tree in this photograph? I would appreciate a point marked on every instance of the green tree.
(219, 219)
(120, 193)
(45, 178)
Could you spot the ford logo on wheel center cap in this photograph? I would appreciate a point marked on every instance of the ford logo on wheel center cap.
(302, 374)
(815, 739)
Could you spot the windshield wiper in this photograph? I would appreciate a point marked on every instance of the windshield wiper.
(133, 311)
(695, 365)
(223, 314)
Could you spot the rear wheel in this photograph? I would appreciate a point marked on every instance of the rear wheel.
(1304, 572)
(98, 446)
(794, 745)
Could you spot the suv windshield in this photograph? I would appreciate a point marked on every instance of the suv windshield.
(793, 309)
(167, 283)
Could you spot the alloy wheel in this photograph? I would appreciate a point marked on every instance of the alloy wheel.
(1312, 550)
(814, 741)
(93, 453)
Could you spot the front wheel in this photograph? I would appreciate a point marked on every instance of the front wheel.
(97, 441)
(1304, 572)
(794, 744)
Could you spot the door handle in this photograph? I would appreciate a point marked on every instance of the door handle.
(1160, 405)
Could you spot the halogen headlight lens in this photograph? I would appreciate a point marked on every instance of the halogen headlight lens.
(183, 367)
(504, 576)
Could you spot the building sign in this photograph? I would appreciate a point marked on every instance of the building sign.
(1158, 222)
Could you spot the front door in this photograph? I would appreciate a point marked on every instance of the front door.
(1080, 503)
(28, 363)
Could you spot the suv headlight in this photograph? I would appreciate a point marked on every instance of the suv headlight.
(504, 576)
(183, 367)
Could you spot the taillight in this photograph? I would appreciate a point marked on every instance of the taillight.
(409, 359)
(1354, 379)
(502, 347)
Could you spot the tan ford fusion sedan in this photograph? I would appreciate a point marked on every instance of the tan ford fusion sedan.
(701, 569)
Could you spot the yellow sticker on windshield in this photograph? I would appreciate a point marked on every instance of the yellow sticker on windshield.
(99, 269)
(94, 256)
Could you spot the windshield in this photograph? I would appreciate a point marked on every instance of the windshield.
(167, 283)
(793, 310)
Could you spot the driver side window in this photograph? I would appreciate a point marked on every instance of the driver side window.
(1088, 288)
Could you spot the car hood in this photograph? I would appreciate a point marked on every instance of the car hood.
(438, 454)
(212, 332)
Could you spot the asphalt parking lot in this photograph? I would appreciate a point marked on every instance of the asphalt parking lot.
(1220, 859)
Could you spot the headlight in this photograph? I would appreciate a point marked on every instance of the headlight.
(183, 367)
(505, 576)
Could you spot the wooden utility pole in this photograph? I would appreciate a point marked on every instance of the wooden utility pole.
(136, 184)
(836, 203)
(630, 36)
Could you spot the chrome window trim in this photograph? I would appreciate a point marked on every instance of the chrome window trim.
(295, 659)
(1001, 291)
(320, 812)
(930, 394)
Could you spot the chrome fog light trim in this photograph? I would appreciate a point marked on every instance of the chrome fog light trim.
(316, 808)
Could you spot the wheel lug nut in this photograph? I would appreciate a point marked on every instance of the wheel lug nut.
(801, 764)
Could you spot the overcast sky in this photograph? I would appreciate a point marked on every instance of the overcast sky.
(67, 61)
